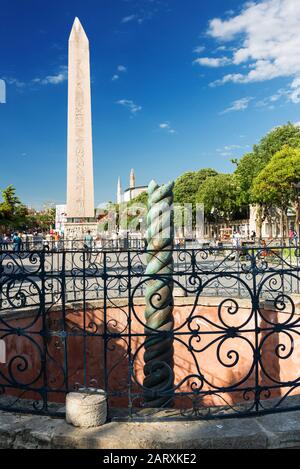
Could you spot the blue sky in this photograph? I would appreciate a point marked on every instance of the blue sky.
(177, 85)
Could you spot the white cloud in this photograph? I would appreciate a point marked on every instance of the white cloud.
(222, 48)
(59, 77)
(230, 150)
(14, 81)
(120, 69)
(238, 105)
(232, 147)
(145, 10)
(267, 43)
(129, 104)
(55, 79)
(295, 91)
(212, 61)
(270, 100)
(129, 18)
(167, 127)
(199, 49)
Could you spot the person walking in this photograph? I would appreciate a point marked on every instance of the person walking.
(88, 244)
(17, 242)
(56, 240)
(295, 238)
(291, 236)
(5, 241)
(236, 243)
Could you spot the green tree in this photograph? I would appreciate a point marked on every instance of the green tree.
(219, 196)
(251, 164)
(12, 211)
(45, 219)
(9, 203)
(275, 140)
(247, 169)
(141, 199)
(187, 185)
(274, 185)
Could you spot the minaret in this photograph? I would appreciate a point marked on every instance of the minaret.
(80, 184)
(119, 192)
(132, 179)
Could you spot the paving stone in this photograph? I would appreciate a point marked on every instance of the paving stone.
(282, 429)
(271, 431)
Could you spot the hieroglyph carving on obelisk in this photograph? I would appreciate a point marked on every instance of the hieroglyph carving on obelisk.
(80, 183)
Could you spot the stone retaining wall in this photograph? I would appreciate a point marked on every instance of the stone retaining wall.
(26, 367)
(266, 432)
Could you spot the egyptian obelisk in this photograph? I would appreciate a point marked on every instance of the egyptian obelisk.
(80, 181)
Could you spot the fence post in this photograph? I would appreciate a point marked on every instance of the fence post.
(158, 356)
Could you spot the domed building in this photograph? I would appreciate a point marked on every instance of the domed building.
(132, 192)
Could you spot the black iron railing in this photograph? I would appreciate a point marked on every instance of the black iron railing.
(100, 244)
(74, 319)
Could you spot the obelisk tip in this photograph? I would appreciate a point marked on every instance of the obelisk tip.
(76, 23)
(77, 30)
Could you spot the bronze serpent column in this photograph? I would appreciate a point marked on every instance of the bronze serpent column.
(158, 356)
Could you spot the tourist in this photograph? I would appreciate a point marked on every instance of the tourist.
(253, 236)
(5, 242)
(219, 242)
(88, 244)
(17, 242)
(236, 239)
(56, 240)
(236, 243)
(295, 238)
(264, 251)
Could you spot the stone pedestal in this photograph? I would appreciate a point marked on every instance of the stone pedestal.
(79, 230)
(86, 409)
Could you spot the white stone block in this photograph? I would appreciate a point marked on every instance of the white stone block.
(86, 409)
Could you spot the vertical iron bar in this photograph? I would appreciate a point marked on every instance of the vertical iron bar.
(105, 338)
(130, 364)
(84, 325)
(255, 304)
(64, 325)
(44, 332)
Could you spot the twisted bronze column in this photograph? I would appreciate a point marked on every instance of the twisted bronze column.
(158, 356)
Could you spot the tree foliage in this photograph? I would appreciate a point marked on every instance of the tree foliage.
(219, 195)
(187, 185)
(14, 215)
(274, 185)
(251, 164)
(275, 140)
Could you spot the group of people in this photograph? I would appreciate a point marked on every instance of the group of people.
(20, 241)
(15, 240)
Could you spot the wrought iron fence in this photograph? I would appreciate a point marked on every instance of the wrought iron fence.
(74, 319)
(98, 244)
